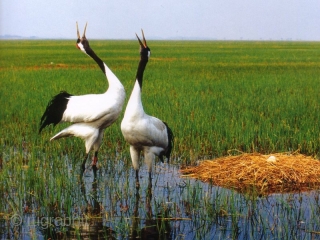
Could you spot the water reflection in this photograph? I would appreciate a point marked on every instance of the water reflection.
(93, 206)
(107, 205)
(154, 227)
(90, 227)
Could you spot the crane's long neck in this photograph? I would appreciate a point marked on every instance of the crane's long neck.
(112, 79)
(141, 67)
(94, 56)
(135, 106)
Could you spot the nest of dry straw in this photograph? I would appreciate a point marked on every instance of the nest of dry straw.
(262, 174)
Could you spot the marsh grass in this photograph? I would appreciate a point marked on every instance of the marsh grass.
(216, 96)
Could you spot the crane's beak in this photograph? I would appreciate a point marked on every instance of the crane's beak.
(84, 32)
(79, 44)
(144, 43)
(78, 34)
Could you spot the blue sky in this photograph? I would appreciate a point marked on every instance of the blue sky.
(163, 19)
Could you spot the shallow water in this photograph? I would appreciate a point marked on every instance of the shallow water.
(170, 207)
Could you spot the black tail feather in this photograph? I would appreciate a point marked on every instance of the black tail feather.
(167, 153)
(55, 109)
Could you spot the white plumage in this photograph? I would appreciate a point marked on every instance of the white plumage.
(92, 107)
(91, 113)
(144, 133)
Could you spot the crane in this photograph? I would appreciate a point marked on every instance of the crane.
(143, 132)
(89, 114)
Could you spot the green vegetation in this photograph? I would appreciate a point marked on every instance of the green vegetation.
(216, 97)
(250, 96)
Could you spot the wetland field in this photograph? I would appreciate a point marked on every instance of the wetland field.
(218, 97)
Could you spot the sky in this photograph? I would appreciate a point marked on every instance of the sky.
(163, 19)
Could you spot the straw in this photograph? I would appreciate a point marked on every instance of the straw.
(263, 174)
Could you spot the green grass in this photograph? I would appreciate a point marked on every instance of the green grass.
(216, 97)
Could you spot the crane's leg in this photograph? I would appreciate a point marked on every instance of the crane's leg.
(149, 191)
(96, 145)
(94, 163)
(149, 198)
(135, 154)
(83, 165)
(95, 159)
(137, 179)
(150, 179)
(149, 159)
